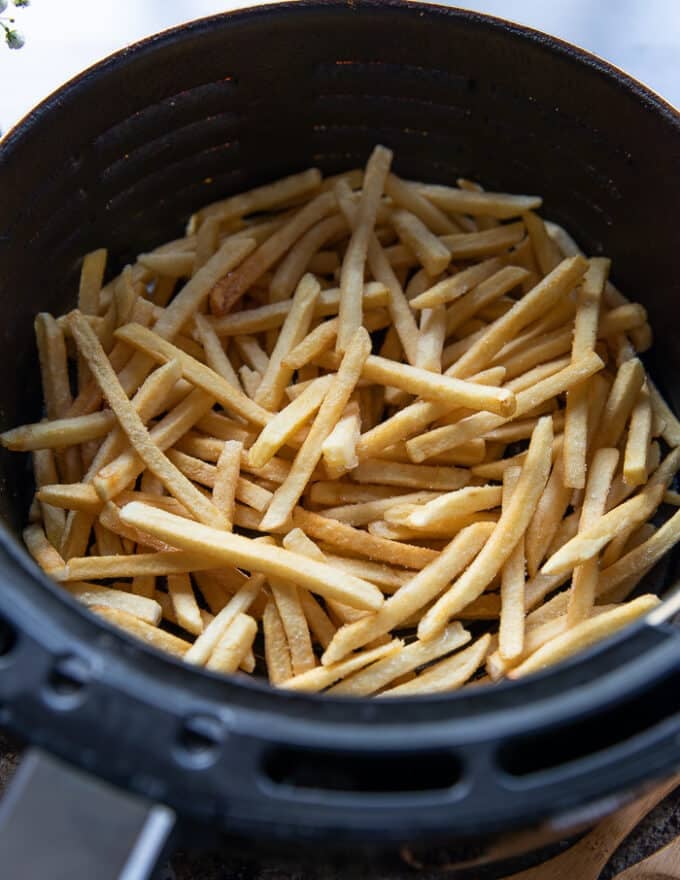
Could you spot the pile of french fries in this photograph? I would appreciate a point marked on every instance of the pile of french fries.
(367, 435)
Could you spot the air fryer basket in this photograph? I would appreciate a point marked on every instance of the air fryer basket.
(119, 158)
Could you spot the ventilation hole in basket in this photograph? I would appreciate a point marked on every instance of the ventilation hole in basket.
(200, 739)
(8, 638)
(68, 679)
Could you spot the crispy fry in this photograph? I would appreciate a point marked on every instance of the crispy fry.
(511, 630)
(339, 448)
(430, 250)
(447, 675)
(234, 644)
(215, 355)
(321, 677)
(227, 478)
(585, 634)
(277, 654)
(144, 609)
(276, 376)
(460, 201)
(288, 603)
(286, 497)
(639, 438)
(508, 531)
(585, 577)
(421, 590)
(224, 547)
(352, 272)
(452, 288)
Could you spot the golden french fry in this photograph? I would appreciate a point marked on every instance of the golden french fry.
(288, 494)
(235, 642)
(376, 676)
(460, 201)
(407, 196)
(227, 478)
(223, 547)
(585, 577)
(446, 675)
(145, 609)
(288, 603)
(454, 504)
(184, 603)
(413, 596)
(215, 356)
(352, 271)
(154, 637)
(295, 327)
(452, 288)
(431, 339)
(620, 403)
(430, 250)
(339, 448)
(277, 654)
(47, 557)
(508, 531)
(511, 630)
(585, 634)
(639, 438)
(321, 677)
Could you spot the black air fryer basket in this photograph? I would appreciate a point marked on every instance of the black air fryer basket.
(119, 158)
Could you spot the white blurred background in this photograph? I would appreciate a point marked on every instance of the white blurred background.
(65, 36)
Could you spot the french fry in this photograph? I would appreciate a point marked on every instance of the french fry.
(215, 356)
(41, 550)
(227, 291)
(235, 642)
(287, 422)
(511, 629)
(407, 196)
(262, 198)
(194, 371)
(223, 547)
(585, 336)
(45, 473)
(298, 260)
(641, 558)
(448, 437)
(671, 430)
(286, 497)
(358, 543)
(276, 376)
(431, 339)
(454, 504)
(547, 253)
(133, 426)
(585, 577)
(430, 250)
(363, 512)
(203, 647)
(585, 634)
(446, 675)
(226, 479)
(486, 292)
(288, 603)
(620, 403)
(639, 438)
(376, 676)
(184, 603)
(352, 271)
(269, 317)
(452, 288)
(145, 609)
(413, 596)
(550, 509)
(508, 531)
(445, 389)
(532, 306)
(321, 677)
(151, 635)
(460, 201)
(277, 654)
(339, 448)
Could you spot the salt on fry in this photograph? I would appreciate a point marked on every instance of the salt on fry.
(624, 392)
(145, 609)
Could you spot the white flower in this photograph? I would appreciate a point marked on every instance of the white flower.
(3, 5)
(14, 39)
